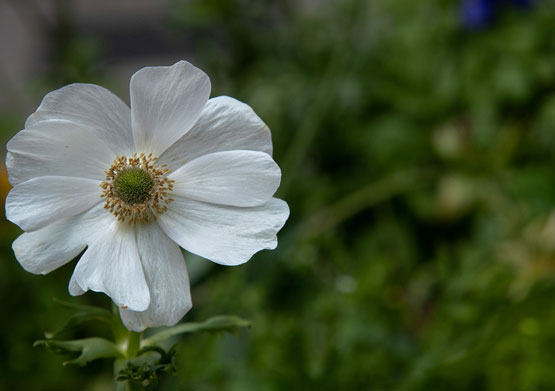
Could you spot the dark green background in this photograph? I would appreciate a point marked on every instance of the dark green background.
(418, 161)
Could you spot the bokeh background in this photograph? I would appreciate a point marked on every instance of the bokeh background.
(417, 143)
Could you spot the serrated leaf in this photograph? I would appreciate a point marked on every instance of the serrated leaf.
(146, 369)
(229, 323)
(89, 349)
(83, 313)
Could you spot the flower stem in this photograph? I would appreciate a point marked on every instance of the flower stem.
(130, 343)
(133, 344)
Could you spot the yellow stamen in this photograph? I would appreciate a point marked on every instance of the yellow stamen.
(154, 203)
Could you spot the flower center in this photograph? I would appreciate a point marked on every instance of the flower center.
(136, 188)
(133, 185)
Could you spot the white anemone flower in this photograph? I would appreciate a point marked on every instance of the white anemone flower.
(130, 185)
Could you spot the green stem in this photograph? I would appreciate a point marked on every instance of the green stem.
(120, 364)
(133, 344)
(129, 342)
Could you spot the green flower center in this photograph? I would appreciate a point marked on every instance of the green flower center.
(133, 185)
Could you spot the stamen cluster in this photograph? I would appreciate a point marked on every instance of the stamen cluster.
(153, 199)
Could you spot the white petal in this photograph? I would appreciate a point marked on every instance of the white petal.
(165, 103)
(57, 148)
(40, 201)
(56, 244)
(73, 288)
(167, 279)
(112, 265)
(236, 178)
(224, 234)
(92, 106)
(225, 124)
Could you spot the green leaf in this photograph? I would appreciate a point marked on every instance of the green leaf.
(89, 349)
(82, 313)
(229, 323)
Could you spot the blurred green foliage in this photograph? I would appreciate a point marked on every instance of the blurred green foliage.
(418, 161)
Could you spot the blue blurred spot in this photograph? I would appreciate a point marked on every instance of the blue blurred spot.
(477, 14)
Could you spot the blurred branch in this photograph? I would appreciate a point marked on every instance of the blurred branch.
(310, 126)
(323, 99)
(364, 198)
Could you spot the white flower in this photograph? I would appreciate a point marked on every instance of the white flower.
(129, 186)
